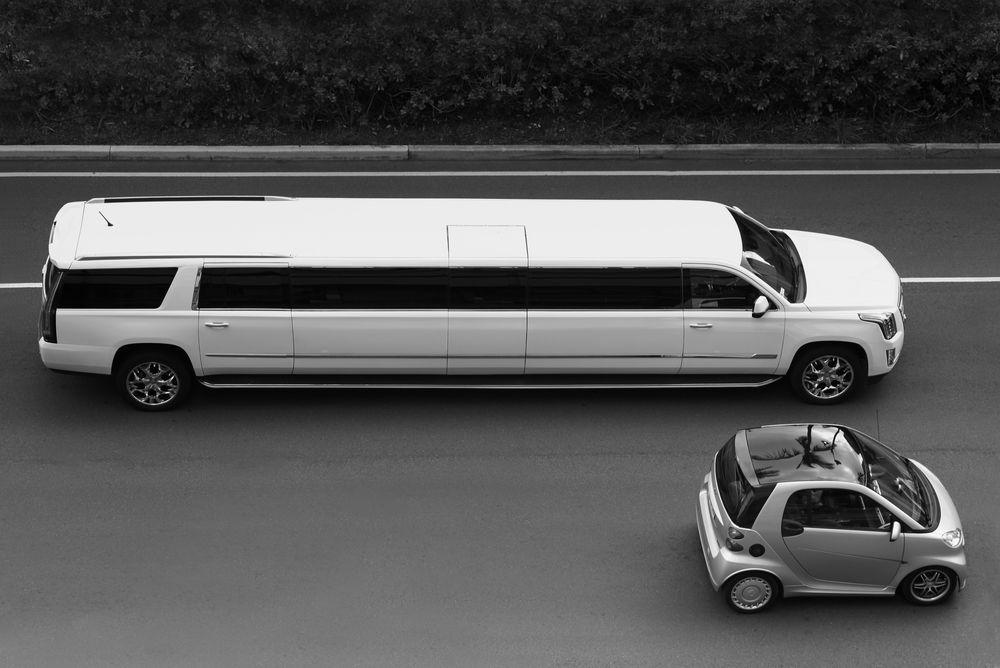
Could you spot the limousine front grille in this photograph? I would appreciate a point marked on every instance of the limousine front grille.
(541, 381)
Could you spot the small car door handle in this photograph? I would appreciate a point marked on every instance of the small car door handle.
(216, 325)
(701, 325)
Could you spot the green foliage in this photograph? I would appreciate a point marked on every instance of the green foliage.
(300, 63)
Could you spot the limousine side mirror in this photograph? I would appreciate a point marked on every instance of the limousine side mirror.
(760, 306)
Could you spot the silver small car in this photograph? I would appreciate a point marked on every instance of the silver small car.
(809, 509)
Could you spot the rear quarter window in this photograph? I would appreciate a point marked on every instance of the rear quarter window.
(743, 501)
(115, 288)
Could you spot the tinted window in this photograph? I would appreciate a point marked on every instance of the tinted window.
(241, 287)
(835, 509)
(743, 501)
(716, 289)
(115, 288)
(488, 288)
(369, 288)
(605, 288)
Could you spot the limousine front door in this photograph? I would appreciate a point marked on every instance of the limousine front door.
(487, 316)
(244, 324)
(721, 336)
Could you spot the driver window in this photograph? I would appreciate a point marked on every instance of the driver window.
(717, 289)
(835, 509)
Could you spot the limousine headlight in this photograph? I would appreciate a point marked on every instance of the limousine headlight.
(886, 321)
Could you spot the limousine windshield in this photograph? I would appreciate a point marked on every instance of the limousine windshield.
(766, 257)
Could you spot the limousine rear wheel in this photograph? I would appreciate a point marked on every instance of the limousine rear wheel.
(153, 380)
(827, 374)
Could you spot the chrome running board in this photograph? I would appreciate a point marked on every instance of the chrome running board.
(519, 382)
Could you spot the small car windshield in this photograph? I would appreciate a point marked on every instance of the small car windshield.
(764, 255)
(891, 476)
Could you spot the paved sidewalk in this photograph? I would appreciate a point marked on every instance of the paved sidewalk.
(510, 152)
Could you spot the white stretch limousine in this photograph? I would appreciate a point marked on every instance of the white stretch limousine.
(277, 292)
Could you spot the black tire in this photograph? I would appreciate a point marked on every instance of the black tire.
(929, 586)
(154, 380)
(827, 374)
(751, 592)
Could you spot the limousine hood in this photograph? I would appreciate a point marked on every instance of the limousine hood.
(844, 273)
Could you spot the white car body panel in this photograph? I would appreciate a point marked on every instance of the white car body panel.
(358, 233)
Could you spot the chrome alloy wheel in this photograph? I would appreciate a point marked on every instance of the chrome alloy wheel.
(152, 383)
(750, 594)
(828, 376)
(930, 586)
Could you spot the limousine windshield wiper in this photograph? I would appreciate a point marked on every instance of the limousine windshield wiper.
(443, 293)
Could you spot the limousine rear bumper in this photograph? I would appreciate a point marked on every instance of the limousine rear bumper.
(489, 382)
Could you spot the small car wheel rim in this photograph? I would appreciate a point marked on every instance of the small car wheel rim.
(931, 585)
(828, 377)
(751, 593)
(152, 383)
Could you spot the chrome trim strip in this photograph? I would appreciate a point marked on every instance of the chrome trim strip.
(736, 356)
(274, 355)
(472, 357)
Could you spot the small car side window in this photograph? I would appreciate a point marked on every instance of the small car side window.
(835, 509)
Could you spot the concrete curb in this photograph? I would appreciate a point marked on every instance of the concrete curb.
(508, 152)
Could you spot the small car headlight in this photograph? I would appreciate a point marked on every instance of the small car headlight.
(953, 538)
(733, 547)
(735, 533)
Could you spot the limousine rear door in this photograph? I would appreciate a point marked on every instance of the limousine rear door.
(604, 320)
(720, 333)
(487, 316)
(244, 323)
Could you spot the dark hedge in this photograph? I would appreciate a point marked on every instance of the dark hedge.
(300, 63)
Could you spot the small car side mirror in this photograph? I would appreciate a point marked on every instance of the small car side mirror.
(896, 530)
(760, 306)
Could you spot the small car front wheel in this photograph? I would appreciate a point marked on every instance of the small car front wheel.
(153, 380)
(929, 586)
(751, 592)
(827, 374)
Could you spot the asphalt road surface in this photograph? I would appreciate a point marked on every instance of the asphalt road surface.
(444, 528)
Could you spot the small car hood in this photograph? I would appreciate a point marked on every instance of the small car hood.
(947, 512)
(845, 274)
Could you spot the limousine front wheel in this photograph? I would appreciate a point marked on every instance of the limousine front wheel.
(153, 381)
(827, 374)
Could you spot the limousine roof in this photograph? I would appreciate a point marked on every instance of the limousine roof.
(389, 231)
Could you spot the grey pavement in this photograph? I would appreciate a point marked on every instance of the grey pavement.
(918, 151)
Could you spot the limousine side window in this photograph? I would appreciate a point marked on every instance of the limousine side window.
(717, 289)
(488, 288)
(369, 288)
(115, 288)
(242, 287)
(605, 288)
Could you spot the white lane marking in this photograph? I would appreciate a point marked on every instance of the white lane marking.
(630, 173)
(955, 279)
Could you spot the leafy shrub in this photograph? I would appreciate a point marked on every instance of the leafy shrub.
(351, 62)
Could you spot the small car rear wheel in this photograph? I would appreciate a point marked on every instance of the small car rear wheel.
(929, 586)
(751, 592)
(153, 380)
(827, 374)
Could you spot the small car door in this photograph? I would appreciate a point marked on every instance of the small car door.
(839, 535)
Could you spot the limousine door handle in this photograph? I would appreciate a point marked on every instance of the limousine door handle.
(216, 325)
(701, 325)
